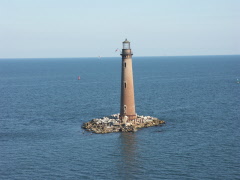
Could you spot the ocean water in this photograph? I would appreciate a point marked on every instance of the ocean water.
(43, 105)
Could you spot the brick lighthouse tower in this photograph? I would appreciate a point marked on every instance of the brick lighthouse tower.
(127, 108)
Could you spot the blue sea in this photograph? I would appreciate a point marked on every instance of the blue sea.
(43, 105)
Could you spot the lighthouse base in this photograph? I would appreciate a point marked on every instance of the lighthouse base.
(113, 123)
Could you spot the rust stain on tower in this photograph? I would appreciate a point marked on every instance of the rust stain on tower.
(127, 107)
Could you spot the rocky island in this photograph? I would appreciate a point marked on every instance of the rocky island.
(114, 124)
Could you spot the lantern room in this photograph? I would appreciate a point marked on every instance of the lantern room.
(126, 44)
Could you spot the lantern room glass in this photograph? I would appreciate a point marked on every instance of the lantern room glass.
(126, 45)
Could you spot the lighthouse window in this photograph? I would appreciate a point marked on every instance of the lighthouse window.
(125, 84)
(125, 64)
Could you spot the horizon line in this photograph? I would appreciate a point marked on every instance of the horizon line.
(113, 56)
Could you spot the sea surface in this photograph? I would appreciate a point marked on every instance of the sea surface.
(43, 105)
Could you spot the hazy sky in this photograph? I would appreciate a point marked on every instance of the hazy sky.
(88, 28)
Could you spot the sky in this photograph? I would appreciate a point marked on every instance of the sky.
(91, 28)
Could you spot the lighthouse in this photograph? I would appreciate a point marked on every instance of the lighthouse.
(127, 107)
(127, 120)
